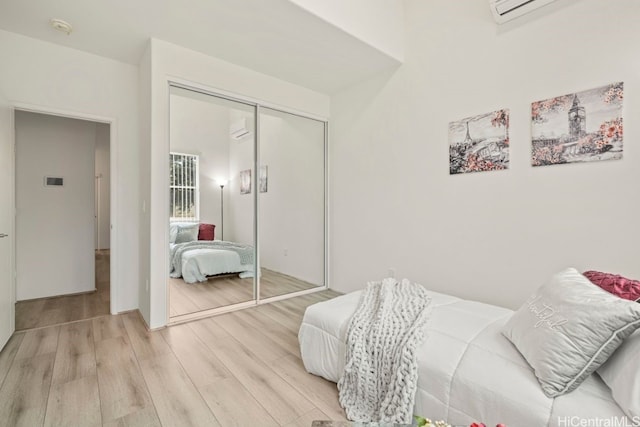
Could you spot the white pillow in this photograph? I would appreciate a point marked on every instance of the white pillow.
(187, 233)
(622, 374)
(173, 232)
(569, 328)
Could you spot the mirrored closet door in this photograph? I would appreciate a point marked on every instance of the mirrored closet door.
(292, 187)
(211, 230)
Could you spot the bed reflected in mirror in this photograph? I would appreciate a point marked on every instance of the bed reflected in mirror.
(211, 245)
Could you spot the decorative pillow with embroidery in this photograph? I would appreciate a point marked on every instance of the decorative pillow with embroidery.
(568, 328)
(615, 284)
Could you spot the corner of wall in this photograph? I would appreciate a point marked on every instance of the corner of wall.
(377, 23)
(144, 77)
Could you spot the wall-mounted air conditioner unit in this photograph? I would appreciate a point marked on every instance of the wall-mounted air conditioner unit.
(506, 10)
(239, 129)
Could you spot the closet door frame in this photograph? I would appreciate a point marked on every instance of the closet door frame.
(257, 105)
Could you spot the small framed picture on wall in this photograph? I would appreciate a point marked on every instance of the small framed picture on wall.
(263, 179)
(245, 181)
(479, 143)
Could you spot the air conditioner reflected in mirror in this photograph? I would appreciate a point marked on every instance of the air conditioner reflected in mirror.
(239, 129)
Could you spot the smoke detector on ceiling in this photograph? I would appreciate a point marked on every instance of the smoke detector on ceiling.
(61, 25)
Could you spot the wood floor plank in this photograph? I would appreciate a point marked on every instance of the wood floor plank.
(322, 393)
(55, 316)
(145, 343)
(233, 405)
(107, 327)
(307, 419)
(146, 417)
(214, 293)
(123, 392)
(28, 314)
(284, 338)
(8, 354)
(37, 342)
(274, 283)
(282, 401)
(74, 403)
(199, 362)
(230, 289)
(297, 308)
(207, 330)
(75, 356)
(175, 397)
(294, 310)
(258, 343)
(280, 315)
(24, 393)
(179, 301)
(327, 294)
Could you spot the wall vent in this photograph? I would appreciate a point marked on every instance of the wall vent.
(53, 181)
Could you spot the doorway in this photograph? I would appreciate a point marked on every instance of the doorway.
(62, 197)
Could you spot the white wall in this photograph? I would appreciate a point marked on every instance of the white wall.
(200, 126)
(239, 209)
(292, 210)
(54, 225)
(103, 186)
(47, 75)
(144, 166)
(7, 286)
(169, 62)
(376, 22)
(493, 236)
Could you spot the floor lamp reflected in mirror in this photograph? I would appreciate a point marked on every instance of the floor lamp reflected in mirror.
(222, 183)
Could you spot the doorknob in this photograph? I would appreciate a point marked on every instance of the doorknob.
(3, 235)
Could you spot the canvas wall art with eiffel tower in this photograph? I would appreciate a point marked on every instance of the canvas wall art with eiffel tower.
(479, 143)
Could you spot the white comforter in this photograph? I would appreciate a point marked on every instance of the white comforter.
(467, 371)
(197, 264)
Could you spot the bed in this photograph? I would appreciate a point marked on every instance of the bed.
(197, 260)
(195, 256)
(468, 371)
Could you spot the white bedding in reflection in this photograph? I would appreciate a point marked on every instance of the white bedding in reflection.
(198, 263)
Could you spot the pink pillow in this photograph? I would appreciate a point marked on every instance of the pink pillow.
(206, 232)
(615, 284)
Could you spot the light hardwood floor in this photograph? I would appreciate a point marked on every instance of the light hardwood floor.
(225, 290)
(237, 369)
(56, 310)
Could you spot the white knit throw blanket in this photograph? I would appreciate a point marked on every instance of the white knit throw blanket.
(381, 372)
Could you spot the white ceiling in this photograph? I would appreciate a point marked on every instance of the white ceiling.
(275, 37)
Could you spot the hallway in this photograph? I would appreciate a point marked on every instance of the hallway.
(42, 312)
